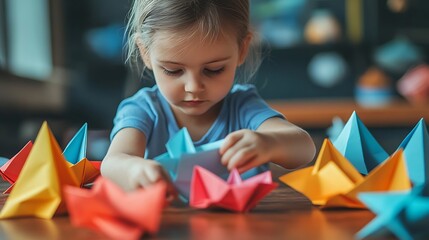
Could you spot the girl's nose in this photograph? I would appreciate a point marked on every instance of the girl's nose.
(194, 85)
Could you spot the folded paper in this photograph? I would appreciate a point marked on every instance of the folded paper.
(334, 182)
(357, 144)
(38, 190)
(75, 154)
(182, 156)
(11, 169)
(76, 148)
(416, 150)
(391, 175)
(117, 214)
(208, 190)
(405, 214)
(96, 164)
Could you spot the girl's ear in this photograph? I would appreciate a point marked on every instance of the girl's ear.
(244, 50)
(144, 54)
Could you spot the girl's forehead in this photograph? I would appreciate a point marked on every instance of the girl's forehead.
(169, 40)
(191, 49)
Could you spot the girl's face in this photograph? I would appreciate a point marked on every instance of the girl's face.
(194, 76)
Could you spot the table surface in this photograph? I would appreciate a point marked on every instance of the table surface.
(283, 214)
(319, 113)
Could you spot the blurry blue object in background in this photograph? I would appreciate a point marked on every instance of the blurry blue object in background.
(373, 97)
(27, 38)
(327, 69)
(335, 129)
(374, 88)
(3, 161)
(280, 34)
(261, 9)
(278, 21)
(107, 42)
(98, 147)
(398, 55)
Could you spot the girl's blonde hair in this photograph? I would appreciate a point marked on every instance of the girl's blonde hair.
(209, 17)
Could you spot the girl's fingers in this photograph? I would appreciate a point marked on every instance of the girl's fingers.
(241, 157)
(154, 175)
(230, 141)
(143, 180)
(233, 150)
(227, 156)
(248, 165)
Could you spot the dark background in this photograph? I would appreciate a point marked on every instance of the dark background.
(97, 82)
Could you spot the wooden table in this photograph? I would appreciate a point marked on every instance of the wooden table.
(319, 113)
(284, 214)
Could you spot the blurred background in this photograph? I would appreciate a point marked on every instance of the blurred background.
(62, 61)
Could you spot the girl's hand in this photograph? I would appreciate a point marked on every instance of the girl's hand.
(246, 149)
(144, 173)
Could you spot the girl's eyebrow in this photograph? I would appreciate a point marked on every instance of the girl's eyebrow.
(218, 60)
(169, 62)
(209, 62)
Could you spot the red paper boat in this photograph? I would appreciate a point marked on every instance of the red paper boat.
(208, 190)
(115, 213)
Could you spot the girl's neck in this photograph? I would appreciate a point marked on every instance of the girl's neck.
(198, 126)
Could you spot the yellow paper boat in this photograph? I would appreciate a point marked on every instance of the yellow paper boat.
(38, 189)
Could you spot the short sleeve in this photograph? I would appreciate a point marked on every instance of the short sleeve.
(135, 112)
(252, 109)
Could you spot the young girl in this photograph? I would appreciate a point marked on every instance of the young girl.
(194, 48)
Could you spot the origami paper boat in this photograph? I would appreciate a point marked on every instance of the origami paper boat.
(357, 144)
(38, 190)
(208, 190)
(416, 150)
(182, 156)
(405, 214)
(334, 182)
(75, 153)
(117, 214)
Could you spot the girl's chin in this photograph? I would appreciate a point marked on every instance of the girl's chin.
(193, 112)
(199, 110)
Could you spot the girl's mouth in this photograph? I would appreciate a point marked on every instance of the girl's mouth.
(193, 103)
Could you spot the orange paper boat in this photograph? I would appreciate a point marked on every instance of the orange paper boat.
(334, 182)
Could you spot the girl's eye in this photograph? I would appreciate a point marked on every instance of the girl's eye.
(214, 71)
(172, 72)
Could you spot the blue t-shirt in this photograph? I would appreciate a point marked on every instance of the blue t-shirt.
(149, 112)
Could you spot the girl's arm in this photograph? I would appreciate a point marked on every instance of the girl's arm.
(276, 140)
(124, 163)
